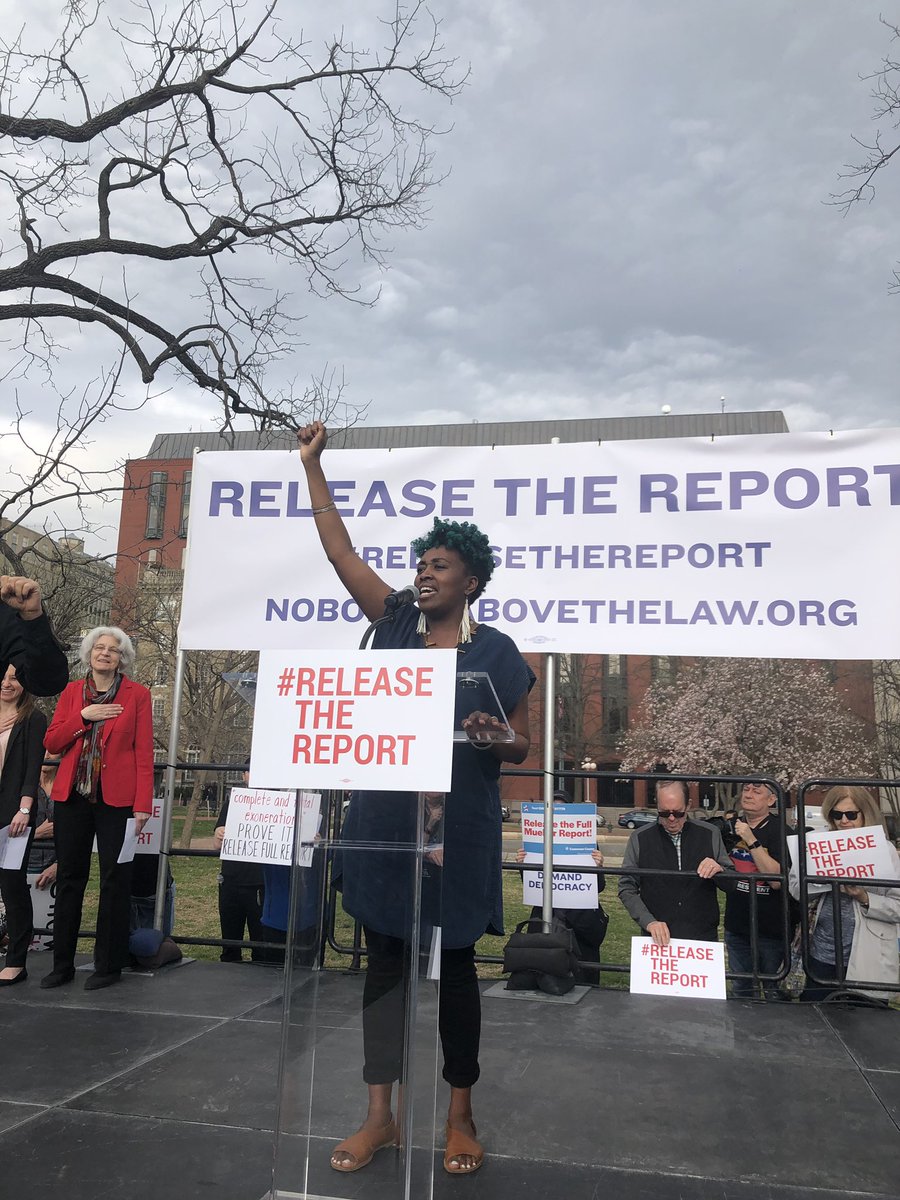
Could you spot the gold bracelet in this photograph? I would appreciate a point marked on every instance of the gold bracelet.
(323, 508)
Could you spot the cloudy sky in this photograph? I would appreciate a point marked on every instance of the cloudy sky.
(635, 213)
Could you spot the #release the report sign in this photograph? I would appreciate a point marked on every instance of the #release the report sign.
(380, 720)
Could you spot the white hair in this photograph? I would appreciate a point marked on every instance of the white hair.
(125, 645)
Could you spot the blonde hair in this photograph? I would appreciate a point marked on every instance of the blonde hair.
(861, 797)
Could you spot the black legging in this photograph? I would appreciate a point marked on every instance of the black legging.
(384, 1001)
(16, 896)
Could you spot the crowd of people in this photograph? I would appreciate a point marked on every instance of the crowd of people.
(84, 779)
(101, 741)
(704, 856)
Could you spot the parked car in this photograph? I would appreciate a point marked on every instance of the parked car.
(638, 816)
(505, 812)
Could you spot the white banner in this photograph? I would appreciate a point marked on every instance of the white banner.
(381, 720)
(683, 968)
(748, 546)
(259, 826)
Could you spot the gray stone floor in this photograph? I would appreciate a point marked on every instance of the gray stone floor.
(166, 1086)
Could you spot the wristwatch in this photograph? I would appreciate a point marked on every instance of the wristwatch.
(26, 812)
(756, 845)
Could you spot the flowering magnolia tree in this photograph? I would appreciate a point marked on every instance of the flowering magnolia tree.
(749, 716)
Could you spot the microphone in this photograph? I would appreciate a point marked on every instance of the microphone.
(395, 600)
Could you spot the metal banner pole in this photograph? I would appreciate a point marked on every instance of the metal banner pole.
(549, 759)
(165, 833)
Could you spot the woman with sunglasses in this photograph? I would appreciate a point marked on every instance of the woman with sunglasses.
(870, 916)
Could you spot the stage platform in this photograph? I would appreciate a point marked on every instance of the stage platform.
(164, 1086)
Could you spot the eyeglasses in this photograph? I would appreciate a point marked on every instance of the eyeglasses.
(840, 814)
(674, 814)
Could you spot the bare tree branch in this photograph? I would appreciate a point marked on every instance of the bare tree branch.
(233, 139)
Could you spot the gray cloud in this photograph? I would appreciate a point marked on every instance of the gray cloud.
(634, 215)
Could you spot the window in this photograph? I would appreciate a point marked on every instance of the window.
(663, 668)
(191, 755)
(159, 708)
(614, 695)
(615, 716)
(156, 504)
(185, 504)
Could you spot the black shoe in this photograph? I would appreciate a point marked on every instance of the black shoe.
(57, 978)
(20, 978)
(99, 980)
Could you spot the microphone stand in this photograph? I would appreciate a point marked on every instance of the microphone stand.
(370, 630)
(391, 604)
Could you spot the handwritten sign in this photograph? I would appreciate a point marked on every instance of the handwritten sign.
(260, 826)
(683, 968)
(574, 838)
(43, 904)
(382, 720)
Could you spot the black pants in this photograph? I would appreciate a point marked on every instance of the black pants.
(816, 992)
(75, 824)
(384, 1001)
(239, 905)
(16, 896)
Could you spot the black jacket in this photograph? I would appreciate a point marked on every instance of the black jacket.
(21, 774)
(33, 650)
(687, 903)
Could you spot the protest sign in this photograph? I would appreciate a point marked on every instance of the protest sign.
(381, 720)
(683, 968)
(148, 840)
(574, 837)
(673, 546)
(43, 905)
(859, 853)
(259, 826)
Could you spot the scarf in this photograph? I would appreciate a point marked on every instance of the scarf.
(88, 774)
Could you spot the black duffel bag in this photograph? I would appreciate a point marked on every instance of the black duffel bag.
(541, 961)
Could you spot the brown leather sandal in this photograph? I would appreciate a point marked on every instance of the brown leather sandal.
(459, 1144)
(363, 1145)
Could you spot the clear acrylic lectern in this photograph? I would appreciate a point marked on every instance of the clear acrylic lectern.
(322, 1093)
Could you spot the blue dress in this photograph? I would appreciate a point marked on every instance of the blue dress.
(465, 897)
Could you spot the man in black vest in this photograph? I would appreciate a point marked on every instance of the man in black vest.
(679, 906)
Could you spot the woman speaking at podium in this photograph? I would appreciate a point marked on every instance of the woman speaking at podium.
(454, 565)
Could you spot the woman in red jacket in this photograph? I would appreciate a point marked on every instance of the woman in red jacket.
(103, 729)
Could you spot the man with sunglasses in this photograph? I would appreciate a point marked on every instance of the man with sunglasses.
(683, 905)
(757, 849)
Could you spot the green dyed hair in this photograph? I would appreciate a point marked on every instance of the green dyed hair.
(469, 543)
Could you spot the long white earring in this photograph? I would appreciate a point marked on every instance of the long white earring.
(422, 625)
(465, 626)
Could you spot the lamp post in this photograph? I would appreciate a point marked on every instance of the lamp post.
(588, 764)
